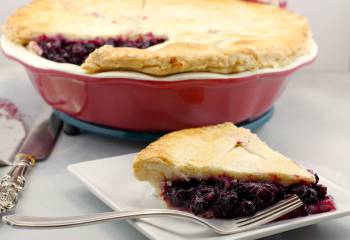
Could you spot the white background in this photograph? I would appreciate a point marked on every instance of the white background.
(330, 22)
(306, 106)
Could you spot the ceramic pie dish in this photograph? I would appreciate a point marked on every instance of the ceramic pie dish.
(175, 78)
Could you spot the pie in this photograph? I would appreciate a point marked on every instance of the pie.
(161, 37)
(224, 171)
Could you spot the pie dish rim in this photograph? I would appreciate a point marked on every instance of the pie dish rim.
(22, 55)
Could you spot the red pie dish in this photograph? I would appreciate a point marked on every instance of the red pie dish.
(160, 68)
(137, 101)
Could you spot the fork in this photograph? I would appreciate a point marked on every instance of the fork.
(217, 225)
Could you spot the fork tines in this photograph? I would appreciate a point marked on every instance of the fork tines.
(278, 210)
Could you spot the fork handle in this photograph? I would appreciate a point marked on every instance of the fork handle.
(13, 182)
(19, 221)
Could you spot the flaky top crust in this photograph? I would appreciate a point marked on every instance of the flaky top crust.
(221, 150)
(222, 36)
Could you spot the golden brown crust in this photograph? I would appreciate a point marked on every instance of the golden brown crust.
(223, 36)
(218, 150)
(79, 19)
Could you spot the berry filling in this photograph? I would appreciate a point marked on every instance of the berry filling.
(9, 110)
(224, 197)
(59, 49)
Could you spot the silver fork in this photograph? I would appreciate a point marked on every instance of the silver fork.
(219, 226)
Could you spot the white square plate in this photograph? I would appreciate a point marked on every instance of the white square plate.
(112, 181)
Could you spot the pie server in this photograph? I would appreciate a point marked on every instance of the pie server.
(37, 146)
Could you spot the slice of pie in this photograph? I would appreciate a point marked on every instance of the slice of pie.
(224, 171)
(161, 37)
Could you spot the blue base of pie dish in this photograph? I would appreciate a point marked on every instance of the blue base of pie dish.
(73, 126)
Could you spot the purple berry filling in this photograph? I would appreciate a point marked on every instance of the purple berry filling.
(59, 49)
(224, 197)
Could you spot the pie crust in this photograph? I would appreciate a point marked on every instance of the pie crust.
(214, 151)
(222, 36)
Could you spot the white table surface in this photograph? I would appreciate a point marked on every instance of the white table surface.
(311, 123)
